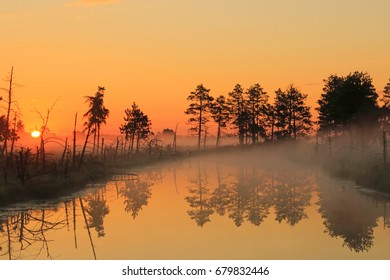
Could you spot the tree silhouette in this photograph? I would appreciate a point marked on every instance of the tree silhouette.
(257, 100)
(96, 116)
(198, 110)
(221, 115)
(386, 95)
(293, 117)
(238, 110)
(346, 100)
(270, 121)
(137, 127)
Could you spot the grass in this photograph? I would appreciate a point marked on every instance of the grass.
(368, 173)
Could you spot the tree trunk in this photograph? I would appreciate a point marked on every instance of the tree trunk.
(43, 155)
(205, 136)
(64, 152)
(74, 142)
(116, 148)
(98, 140)
(84, 147)
(94, 140)
(131, 147)
(384, 147)
(102, 150)
(218, 135)
(200, 126)
(5, 148)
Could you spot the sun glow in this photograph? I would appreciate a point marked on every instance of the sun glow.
(35, 134)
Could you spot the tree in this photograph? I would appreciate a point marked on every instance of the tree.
(386, 95)
(256, 100)
(221, 114)
(44, 127)
(9, 104)
(293, 117)
(198, 109)
(97, 115)
(270, 121)
(346, 100)
(237, 108)
(137, 126)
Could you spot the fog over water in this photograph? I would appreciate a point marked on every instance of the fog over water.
(251, 204)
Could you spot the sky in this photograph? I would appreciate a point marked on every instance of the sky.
(155, 52)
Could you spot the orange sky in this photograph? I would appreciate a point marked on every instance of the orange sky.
(156, 52)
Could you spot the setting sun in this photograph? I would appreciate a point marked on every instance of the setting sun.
(35, 134)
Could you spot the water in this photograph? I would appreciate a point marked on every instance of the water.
(226, 208)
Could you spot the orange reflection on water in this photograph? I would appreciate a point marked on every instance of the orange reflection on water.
(204, 209)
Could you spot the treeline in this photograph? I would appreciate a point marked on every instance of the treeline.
(346, 102)
(250, 114)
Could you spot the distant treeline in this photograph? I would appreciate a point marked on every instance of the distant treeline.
(346, 102)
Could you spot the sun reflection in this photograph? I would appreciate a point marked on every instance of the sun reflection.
(35, 134)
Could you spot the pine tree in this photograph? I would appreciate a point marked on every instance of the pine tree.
(256, 101)
(238, 111)
(199, 110)
(221, 115)
(346, 100)
(137, 127)
(293, 117)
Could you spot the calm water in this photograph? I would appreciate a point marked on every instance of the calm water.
(227, 208)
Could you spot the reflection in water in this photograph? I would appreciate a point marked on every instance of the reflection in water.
(292, 196)
(199, 200)
(96, 210)
(136, 193)
(250, 194)
(348, 215)
(26, 230)
(271, 197)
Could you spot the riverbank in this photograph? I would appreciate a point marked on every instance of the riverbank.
(370, 174)
(56, 184)
(367, 172)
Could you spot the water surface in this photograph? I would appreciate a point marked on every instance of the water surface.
(230, 207)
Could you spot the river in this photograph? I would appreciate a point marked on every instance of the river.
(225, 207)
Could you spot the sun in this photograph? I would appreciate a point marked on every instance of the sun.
(35, 134)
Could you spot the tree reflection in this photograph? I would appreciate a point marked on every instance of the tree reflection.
(199, 200)
(239, 196)
(292, 197)
(96, 209)
(136, 193)
(260, 198)
(220, 197)
(27, 229)
(348, 215)
(250, 197)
